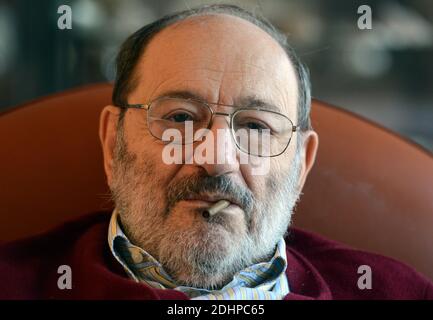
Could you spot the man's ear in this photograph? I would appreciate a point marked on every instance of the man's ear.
(310, 141)
(107, 135)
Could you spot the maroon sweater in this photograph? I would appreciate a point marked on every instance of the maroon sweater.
(317, 268)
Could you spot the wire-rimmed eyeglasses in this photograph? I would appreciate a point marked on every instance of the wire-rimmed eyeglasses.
(255, 130)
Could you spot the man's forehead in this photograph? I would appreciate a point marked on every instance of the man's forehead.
(207, 49)
(217, 28)
(227, 39)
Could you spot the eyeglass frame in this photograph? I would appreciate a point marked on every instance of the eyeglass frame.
(147, 107)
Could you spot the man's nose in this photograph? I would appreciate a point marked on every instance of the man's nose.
(225, 152)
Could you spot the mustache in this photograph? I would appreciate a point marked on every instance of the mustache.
(200, 184)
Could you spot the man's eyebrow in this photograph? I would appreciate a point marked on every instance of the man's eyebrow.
(253, 101)
(248, 101)
(182, 94)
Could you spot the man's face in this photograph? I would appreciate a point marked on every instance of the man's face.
(223, 59)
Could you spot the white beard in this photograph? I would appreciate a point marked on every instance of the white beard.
(204, 255)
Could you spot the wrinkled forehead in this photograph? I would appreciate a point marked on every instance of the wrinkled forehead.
(218, 57)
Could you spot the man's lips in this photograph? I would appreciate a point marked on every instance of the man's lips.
(213, 198)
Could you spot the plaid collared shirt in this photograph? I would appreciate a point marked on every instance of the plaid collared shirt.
(261, 281)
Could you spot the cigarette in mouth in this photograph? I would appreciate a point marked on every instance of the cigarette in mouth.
(220, 205)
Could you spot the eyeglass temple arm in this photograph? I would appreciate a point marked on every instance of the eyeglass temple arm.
(135, 106)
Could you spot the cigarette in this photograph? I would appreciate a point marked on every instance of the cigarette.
(220, 205)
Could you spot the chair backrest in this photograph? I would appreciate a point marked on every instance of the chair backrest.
(369, 188)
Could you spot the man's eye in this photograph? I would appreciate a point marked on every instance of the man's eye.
(180, 117)
(255, 126)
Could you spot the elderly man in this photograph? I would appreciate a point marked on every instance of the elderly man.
(206, 149)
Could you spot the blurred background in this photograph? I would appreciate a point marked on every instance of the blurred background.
(384, 74)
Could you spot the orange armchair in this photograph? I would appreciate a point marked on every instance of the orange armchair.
(369, 188)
